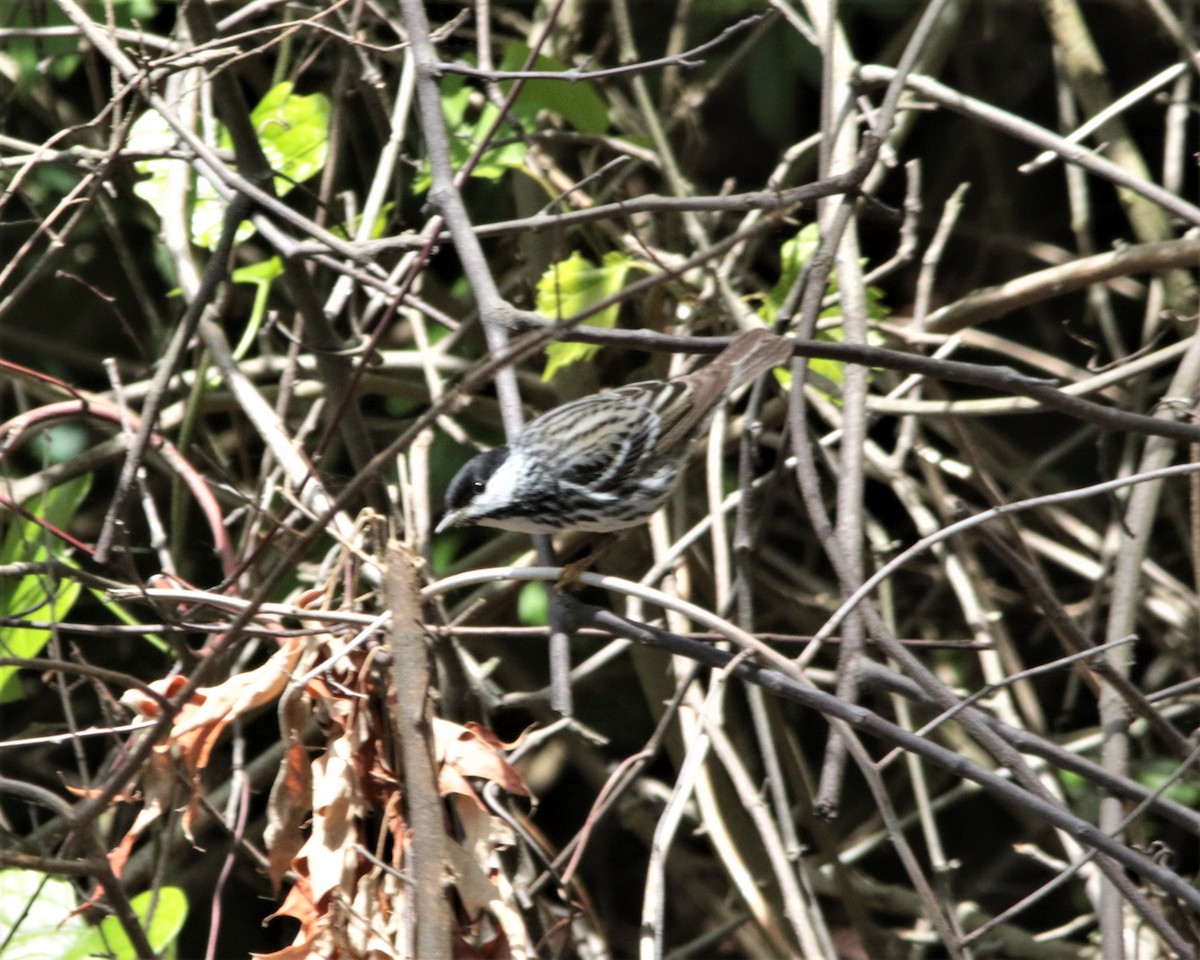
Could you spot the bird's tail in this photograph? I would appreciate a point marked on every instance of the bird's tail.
(752, 353)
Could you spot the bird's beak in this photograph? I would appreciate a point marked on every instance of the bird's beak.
(451, 519)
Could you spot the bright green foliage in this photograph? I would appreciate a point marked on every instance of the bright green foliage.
(793, 255)
(573, 285)
(577, 104)
(38, 920)
(467, 131)
(260, 276)
(36, 596)
(162, 928)
(292, 130)
(36, 917)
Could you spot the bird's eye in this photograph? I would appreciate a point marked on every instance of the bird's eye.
(478, 486)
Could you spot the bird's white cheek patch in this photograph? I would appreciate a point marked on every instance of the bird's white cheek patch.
(501, 485)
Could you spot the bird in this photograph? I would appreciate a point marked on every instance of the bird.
(607, 461)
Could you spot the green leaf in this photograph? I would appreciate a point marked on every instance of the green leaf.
(793, 254)
(162, 928)
(37, 920)
(208, 210)
(466, 135)
(292, 130)
(533, 605)
(37, 917)
(260, 276)
(835, 370)
(36, 596)
(150, 133)
(577, 104)
(575, 101)
(378, 228)
(576, 284)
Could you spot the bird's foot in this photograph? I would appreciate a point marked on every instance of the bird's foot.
(571, 577)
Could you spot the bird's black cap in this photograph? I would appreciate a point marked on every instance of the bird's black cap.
(473, 477)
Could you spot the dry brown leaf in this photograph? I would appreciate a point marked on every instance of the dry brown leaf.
(210, 710)
(290, 803)
(314, 924)
(337, 808)
(472, 751)
(480, 895)
(372, 910)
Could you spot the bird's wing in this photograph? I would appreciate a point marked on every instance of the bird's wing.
(599, 441)
(669, 403)
(695, 400)
(750, 354)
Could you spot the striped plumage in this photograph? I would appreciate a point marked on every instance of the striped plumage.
(607, 461)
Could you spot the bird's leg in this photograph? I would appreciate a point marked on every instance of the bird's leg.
(569, 578)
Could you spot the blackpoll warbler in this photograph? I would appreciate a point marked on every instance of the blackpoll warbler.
(607, 461)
